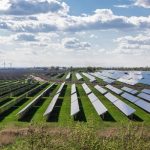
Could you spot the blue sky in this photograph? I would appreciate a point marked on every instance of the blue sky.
(75, 33)
(87, 6)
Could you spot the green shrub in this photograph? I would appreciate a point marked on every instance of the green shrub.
(83, 137)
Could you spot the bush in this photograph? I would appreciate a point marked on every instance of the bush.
(83, 137)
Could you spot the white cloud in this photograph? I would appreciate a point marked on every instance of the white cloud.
(75, 44)
(142, 3)
(4, 4)
(137, 45)
(102, 19)
(38, 42)
(122, 6)
(36, 35)
(30, 7)
(93, 36)
(26, 37)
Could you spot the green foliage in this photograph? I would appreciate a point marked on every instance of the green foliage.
(91, 69)
(83, 137)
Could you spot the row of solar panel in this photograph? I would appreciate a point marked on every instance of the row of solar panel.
(142, 95)
(68, 76)
(104, 78)
(90, 77)
(33, 102)
(97, 104)
(79, 77)
(123, 107)
(74, 101)
(142, 103)
(137, 101)
(54, 100)
(126, 109)
(108, 80)
(99, 107)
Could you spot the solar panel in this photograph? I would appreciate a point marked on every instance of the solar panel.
(111, 97)
(108, 80)
(74, 97)
(61, 87)
(73, 89)
(51, 105)
(27, 107)
(130, 97)
(79, 77)
(114, 89)
(147, 91)
(91, 78)
(86, 88)
(92, 97)
(99, 107)
(144, 96)
(100, 89)
(127, 81)
(144, 105)
(68, 76)
(74, 108)
(126, 109)
(98, 75)
(129, 90)
(145, 81)
(54, 100)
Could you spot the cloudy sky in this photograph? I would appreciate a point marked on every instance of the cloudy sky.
(75, 33)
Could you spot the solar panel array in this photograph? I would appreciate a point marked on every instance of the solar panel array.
(54, 100)
(79, 77)
(112, 74)
(75, 108)
(126, 109)
(74, 101)
(123, 107)
(114, 89)
(109, 80)
(137, 101)
(128, 81)
(99, 107)
(147, 91)
(73, 89)
(130, 97)
(129, 90)
(61, 87)
(104, 78)
(100, 89)
(111, 97)
(74, 97)
(128, 77)
(33, 102)
(86, 88)
(68, 76)
(97, 104)
(52, 105)
(90, 77)
(144, 96)
(144, 105)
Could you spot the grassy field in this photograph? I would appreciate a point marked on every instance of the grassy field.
(61, 131)
(61, 115)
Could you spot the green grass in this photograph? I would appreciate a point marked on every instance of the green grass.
(81, 136)
(87, 114)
